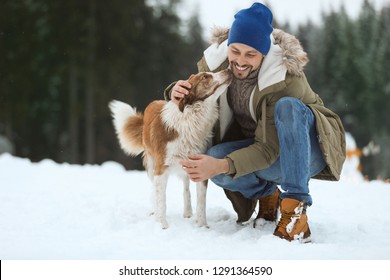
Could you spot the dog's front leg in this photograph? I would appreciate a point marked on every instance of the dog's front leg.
(160, 185)
(201, 191)
(187, 198)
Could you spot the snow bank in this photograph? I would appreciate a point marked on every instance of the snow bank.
(62, 211)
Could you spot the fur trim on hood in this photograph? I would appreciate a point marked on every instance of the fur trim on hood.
(294, 57)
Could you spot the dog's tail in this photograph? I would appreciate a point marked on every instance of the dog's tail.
(128, 125)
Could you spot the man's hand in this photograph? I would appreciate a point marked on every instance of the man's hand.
(203, 167)
(179, 90)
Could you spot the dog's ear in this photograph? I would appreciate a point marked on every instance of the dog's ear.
(183, 103)
(186, 100)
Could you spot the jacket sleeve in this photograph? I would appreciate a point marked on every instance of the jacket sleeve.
(258, 155)
(167, 91)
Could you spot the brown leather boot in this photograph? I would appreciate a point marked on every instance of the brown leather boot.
(293, 221)
(268, 207)
(244, 207)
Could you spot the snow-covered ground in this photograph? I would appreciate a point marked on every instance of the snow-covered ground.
(61, 211)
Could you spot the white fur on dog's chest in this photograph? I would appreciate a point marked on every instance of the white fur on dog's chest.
(179, 150)
(193, 135)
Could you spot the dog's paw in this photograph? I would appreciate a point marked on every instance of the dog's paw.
(163, 222)
(161, 219)
(202, 223)
(164, 225)
(187, 214)
(260, 222)
(203, 226)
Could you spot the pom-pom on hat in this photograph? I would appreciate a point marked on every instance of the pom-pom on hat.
(252, 27)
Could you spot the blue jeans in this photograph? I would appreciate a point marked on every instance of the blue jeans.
(300, 156)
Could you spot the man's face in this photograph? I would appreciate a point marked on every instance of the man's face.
(243, 59)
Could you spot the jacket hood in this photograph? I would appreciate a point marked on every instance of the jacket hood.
(294, 57)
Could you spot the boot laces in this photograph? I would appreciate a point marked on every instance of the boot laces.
(288, 219)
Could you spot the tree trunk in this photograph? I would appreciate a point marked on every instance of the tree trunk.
(73, 113)
(90, 86)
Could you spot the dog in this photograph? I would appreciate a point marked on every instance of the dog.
(167, 133)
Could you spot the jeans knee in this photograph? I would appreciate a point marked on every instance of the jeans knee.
(215, 152)
(285, 105)
(288, 109)
(223, 149)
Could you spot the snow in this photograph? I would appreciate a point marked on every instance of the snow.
(101, 212)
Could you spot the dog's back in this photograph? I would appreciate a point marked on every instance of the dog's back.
(156, 136)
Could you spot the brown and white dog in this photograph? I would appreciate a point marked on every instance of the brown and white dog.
(167, 133)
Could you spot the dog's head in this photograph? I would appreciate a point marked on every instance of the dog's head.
(205, 85)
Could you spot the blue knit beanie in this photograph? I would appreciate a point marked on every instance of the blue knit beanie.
(252, 27)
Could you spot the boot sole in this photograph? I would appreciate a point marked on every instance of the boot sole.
(301, 241)
(306, 238)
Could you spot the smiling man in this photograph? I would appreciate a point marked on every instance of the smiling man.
(273, 128)
(243, 60)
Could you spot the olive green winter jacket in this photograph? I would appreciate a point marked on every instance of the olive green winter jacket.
(281, 75)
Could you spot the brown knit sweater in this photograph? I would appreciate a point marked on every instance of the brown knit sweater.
(238, 96)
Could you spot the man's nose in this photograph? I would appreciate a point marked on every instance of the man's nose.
(240, 60)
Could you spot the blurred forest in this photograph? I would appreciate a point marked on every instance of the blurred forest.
(62, 62)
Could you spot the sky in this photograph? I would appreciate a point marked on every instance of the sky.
(221, 12)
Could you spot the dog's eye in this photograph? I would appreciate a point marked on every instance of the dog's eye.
(205, 77)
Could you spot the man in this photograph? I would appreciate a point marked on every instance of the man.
(285, 133)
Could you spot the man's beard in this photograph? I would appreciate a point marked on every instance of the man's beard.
(243, 74)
